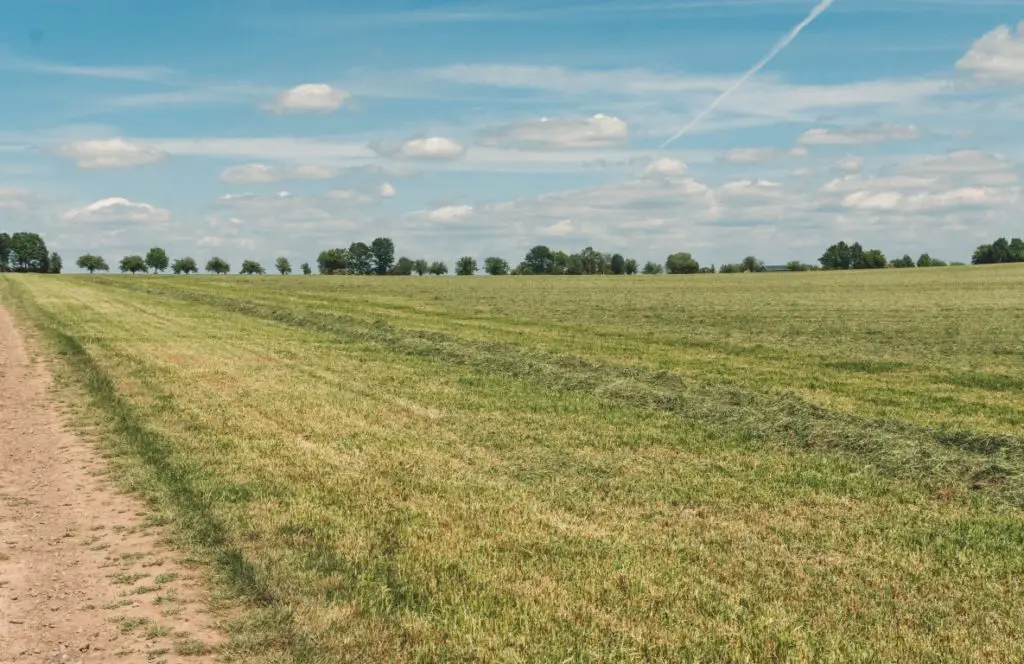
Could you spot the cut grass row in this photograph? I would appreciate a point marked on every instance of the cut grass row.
(403, 487)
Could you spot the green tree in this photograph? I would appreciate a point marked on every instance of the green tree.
(681, 263)
(251, 267)
(28, 253)
(92, 263)
(133, 264)
(383, 250)
(650, 267)
(1016, 250)
(836, 257)
(186, 265)
(495, 266)
(872, 259)
(559, 263)
(403, 267)
(421, 267)
(730, 268)
(924, 260)
(630, 266)
(466, 266)
(5, 252)
(156, 258)
(334, 261)
(283, 265)
(306, 270)
(437, 268)
(618, 264)
(56, 264)
(796, 266)
(752, 264)
(218, 265)
(904, 262)
(361, 257)
(575, 266)
(539, 260)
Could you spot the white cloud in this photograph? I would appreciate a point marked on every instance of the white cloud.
(856, 183)
(250, 173)
(435, 147)
(312, 172)
(750, 188)
(310, 98)
(665, 167)
(387, 190)
(878, 134)
(849, 163)
(759, 155)
(561, 133)
(997, 56)
(15, 199)
(348, 195)
(930, 201)
(117, 209)
(111, 153)
(450, 213)
(559, 229)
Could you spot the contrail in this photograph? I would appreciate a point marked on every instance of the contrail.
(779, 46)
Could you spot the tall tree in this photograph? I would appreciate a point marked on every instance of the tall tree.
(383, 250)
(559, 263)
(156, 258)
(334, 261)
(1016, 250)
(5, 252)
(466, 266)
(437, 268)
(681, 263)
(92, 263)
(250, 267)
(362, 258)
(495, 266)
(650, 267)
(186, 265)
(618, 264)
(904, 262)
(752, 264)
(403, 267)
(538, 260)
(29, 253)
(631, 266)
(306, 269)
(218, 265)
(283, 265)
(56, 264)
(133, 264)
(836, 257)
(421, 267)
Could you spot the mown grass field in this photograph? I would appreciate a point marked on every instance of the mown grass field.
(769, 467)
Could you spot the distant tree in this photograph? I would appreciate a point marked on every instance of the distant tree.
(334, 261)
(797, 266)
(403, 267)
(283, 266)
(904, 262)
(924, 260)
(92, 263)
(592, 261)
(872, 259)
(156, 259)
(574, 265)
(251, 267)
(28, 253)
(495, 266)
(5, 252)
(383, 250)
(983, 255)
(185, 265)
(730, 268)
(306, 270)
(539, 260)
(560, 264)
(133, 264)
(836, 257)
(650, 267)
(630, 266)
(421, 267)
(1016, 250)
(437, 268)
(56, 264)
(939, 263)
(361, 257)
(681, 263)
(618, 264)
(218, 265)
(1000, 251)
(466, 266)
(752, 264)
(957, 264)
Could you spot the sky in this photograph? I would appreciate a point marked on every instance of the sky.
(257, 129)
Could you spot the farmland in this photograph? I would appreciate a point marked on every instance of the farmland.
(816, 466)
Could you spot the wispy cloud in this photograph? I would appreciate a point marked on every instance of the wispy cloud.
(115, 72)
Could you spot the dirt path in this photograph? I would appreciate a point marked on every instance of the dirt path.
(83, 578)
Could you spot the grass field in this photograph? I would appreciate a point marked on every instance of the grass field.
(712, 468)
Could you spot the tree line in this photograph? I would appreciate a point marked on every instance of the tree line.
(27, 252)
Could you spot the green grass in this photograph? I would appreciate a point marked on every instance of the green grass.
(715, 468)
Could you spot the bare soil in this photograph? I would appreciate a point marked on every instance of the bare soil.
(84, 575)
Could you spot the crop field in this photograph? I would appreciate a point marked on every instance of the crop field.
(796, 467)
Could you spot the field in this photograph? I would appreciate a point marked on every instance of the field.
(793, 467)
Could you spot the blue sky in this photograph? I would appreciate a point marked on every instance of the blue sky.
(256, 129)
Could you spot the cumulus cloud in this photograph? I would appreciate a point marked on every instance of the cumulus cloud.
(387, 190)
(877, 134)
(759, 155)
(435, 147)
(665, 167)
(117, 209)
(997, 56)
(312, 172)
(110, 153)
(560, 133)
(257, 172)
(15, 199)
(929, 201)
(310, 98)
(850, 164)
(450, 213)
(750, 188)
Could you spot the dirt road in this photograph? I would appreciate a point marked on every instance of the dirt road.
(83, 578)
